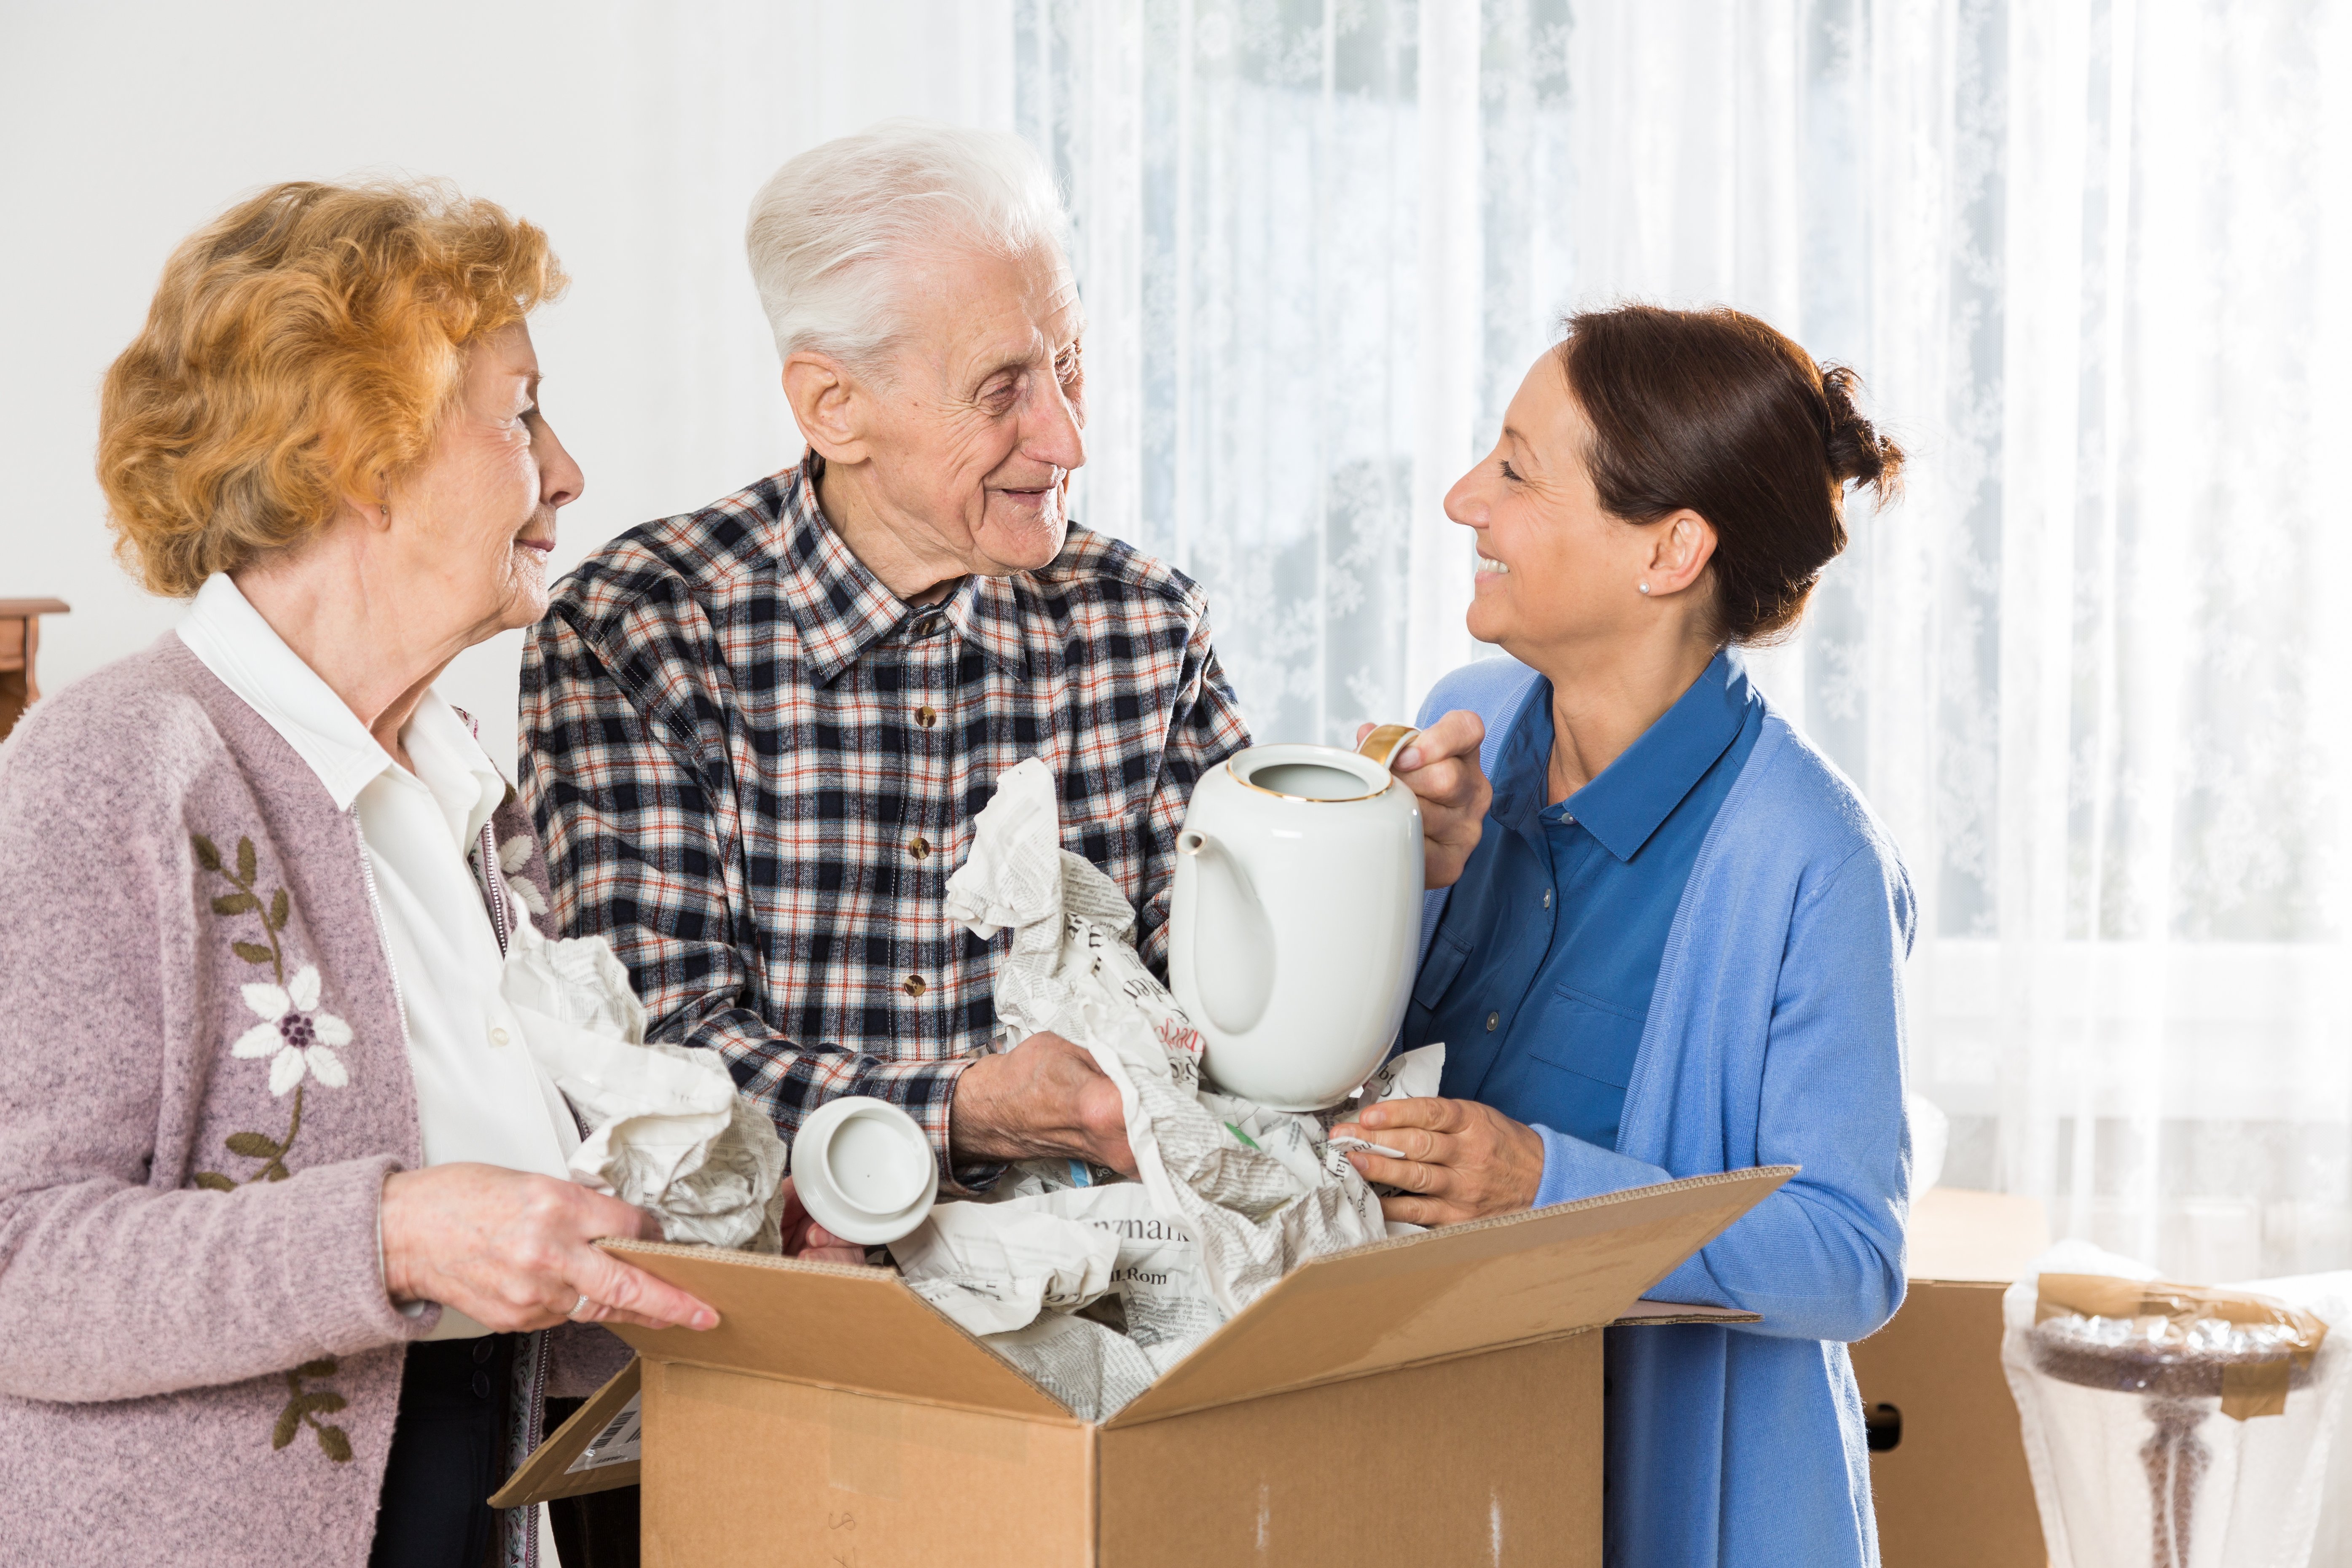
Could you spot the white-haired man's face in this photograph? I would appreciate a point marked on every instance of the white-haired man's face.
(958, 460)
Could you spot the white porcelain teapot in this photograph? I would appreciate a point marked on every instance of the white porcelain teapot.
(1295, 924)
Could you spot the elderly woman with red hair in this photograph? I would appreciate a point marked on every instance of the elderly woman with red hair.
(283, 1219)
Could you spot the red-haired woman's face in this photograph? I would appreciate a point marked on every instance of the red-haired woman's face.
(1556, 575)
(476, 524)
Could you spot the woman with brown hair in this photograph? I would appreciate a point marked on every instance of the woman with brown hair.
(1678, 946)
(283, 1215)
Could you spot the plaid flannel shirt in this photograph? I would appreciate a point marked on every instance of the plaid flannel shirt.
(753, 768)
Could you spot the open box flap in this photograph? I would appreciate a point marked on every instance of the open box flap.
(556, 1470)
(1445, 1292)
(828, 1324)
(1448, 1292)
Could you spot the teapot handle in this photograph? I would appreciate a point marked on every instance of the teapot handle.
(1385, 745)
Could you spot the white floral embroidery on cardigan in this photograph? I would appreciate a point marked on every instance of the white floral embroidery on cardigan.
(299, 1038)
(293, 1033)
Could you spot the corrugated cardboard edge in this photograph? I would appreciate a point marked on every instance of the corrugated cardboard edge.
(544, 1476)
(1598, 1201)
(1660, 1314)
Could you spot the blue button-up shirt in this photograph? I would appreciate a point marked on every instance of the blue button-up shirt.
(1539, 978)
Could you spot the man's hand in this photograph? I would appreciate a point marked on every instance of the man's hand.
(804, 1237)
(1043, 1098)
(1440, 766)
(1461, 1159)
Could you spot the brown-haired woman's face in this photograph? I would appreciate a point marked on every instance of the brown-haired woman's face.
(476, 524)
(1554, 570)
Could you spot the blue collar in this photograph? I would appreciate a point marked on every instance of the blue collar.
(1633, 794)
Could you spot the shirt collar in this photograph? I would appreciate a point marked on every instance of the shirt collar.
(450, 763)
(228, 636)
(843, 610)
(1522, 767)
(1633, 794)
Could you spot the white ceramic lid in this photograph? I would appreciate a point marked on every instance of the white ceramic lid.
(864, 1170)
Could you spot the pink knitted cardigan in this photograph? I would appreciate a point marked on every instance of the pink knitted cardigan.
(204, 1082)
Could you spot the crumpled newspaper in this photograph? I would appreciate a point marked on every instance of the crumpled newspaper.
(994, 1266)
(1230, 1196)
(668, 1132)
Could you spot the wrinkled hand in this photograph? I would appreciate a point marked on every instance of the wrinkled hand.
(1043, 1099)
(804, 1237)
(514, 1251)
(1440, 766)
(1463, 1160)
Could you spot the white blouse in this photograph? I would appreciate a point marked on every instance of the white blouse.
(479, 1095)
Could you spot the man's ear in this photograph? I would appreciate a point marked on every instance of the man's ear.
(829, 404)
(1683, 545)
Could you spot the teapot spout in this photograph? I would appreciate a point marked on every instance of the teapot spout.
(1233, 940)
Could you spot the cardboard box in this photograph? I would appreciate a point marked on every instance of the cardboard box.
(1434, 1399)
(1952, 1489)
(598, 1449)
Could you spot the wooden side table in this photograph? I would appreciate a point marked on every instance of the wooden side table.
(20, 639)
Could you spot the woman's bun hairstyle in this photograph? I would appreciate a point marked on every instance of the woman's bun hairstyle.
(1714, 411)
(1858, 454)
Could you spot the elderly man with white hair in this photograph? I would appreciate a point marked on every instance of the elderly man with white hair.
(757, 735)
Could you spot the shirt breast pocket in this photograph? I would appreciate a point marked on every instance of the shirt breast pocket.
(1583, 1035)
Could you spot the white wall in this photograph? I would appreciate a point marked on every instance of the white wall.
(634, 133)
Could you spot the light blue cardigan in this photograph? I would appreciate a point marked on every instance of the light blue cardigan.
(1774, 1038)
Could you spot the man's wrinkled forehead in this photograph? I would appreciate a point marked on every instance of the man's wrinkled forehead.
(1047, 321)
(987, 313)
(1064, 313)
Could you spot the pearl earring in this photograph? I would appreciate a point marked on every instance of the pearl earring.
(1645, 587)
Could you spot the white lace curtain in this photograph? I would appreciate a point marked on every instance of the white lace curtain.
(2081, 252)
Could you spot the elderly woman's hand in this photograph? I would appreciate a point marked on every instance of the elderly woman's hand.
(1463, 1160)
(515, 1251)
(1440, 766)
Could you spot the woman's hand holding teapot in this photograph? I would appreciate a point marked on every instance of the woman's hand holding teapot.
(1463, 1160)
(1440, 766)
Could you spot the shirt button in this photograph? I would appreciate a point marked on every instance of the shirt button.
(918, 848)
(1547, 898)
(913, 985)
(497, 1035)
(1492, 1019)
(927, 716)
(926, 626)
